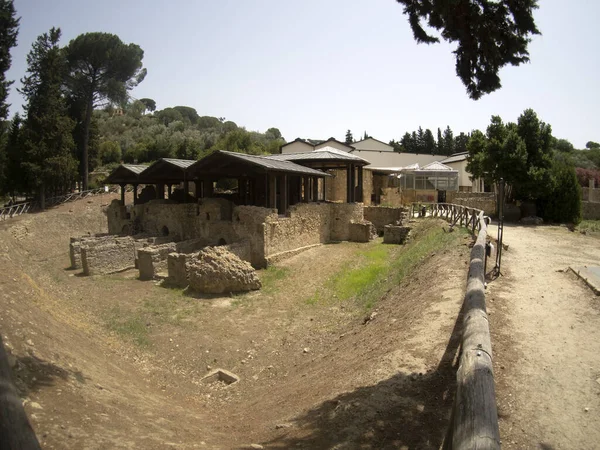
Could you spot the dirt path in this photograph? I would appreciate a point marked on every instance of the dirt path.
(546, 335)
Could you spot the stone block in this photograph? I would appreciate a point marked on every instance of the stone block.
(177, 269)
(362, 231)
(109, 256)
(394, 234)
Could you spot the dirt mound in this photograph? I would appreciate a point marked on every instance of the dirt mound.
(216, 270)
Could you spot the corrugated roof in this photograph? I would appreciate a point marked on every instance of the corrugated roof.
(455, 158)
(183, 163)
(135, 168)
(269, 163)
(324, 153)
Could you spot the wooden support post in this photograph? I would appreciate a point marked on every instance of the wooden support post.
(266, 190)
(122, 194)
(207, 188)
(306, 190)
(186, 190)
(360, 184)
(285, 194)
(315, 189)
(324, 189)
(160, 191)
(197, 189)
(272, 191)
(169, 187)
(135, 194)
(349, 187)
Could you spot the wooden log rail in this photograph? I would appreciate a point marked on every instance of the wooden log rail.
(15, 430)
(474, 423)
(475, 415)
(9, 212)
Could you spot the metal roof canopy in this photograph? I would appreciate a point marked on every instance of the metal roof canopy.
(126, 174)
(231, 164)
(166, 171)
(323, 158)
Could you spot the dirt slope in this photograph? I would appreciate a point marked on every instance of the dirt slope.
(546, 339)
(113, 362)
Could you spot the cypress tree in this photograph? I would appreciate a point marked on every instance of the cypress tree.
(46, 138)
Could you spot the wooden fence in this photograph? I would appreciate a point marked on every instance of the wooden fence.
(9, 212)
(474, 422)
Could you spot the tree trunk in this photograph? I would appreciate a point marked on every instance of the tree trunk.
(86, 141)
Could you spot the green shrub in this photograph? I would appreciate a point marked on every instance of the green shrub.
(562, 201)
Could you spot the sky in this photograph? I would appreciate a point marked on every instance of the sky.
(316, 68)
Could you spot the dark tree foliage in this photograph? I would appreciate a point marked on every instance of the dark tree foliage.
(188, 113)
(46, 137)
(9, 27)
(562, 204)
(490, 34)
(149, 104)
(428, 142)
(349, 138)
(101, 68)
(14, 179)
(440, 143)
(592, 144)
(448, 142)
(585, 175)
(460, 142)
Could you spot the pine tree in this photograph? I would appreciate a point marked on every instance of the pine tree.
(460, 142)
(349, 137)
(415, 142)
(428, 142)
(46, 137)
(440, 143)
(9, 28)
(14, 181)
(448, 141)
(407, 143)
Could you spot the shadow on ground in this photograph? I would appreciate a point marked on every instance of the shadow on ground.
(32, 374)
(408, 411)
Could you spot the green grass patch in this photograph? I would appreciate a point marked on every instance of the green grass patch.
(129, 326)
(589, 226)
(380, 268)
(270, 277)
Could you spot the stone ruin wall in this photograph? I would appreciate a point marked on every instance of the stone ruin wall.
(212, 222)
(257, 235)
(486, 201)
(380, 216)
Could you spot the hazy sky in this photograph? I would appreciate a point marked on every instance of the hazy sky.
(316, 68)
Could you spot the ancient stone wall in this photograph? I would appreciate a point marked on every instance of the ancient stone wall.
(342, 215)
(335, 186)
(591, 210)
(391, 196)
(591, 195)
(362, 231)
(307, 224)
(485, 201)
(380, 216)
(106, 256)
(395, 235)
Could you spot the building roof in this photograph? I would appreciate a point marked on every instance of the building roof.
(166, 170)
(314, 142)
(217, 163)
(372, 139)
(183, 163)
(455, 157)
(437, 167)
(126, 174)
(321, 154)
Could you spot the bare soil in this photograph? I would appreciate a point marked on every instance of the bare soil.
(545, 325)
(114, 362)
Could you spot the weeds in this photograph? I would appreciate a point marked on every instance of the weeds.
(270, 276)
(132, 327)
(589, 226)
(382, 267)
